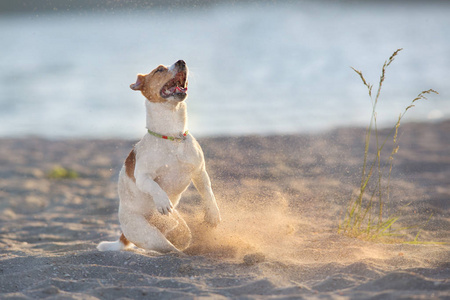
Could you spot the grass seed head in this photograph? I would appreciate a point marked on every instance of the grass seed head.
(391, 59)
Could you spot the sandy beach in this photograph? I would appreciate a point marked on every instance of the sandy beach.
(281, 198)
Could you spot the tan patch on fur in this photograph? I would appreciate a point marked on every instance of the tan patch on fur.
(124, 240)
(151, 84)
(130, 164)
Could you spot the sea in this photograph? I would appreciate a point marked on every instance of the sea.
(255, 68)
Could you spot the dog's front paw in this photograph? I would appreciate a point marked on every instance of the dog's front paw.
(212, 217)
(163, 205)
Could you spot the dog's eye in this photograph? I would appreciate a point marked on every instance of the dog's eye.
(160, 69)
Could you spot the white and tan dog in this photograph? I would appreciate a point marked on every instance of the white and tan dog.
(160, 168)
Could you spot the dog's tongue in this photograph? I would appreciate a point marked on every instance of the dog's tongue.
(177, 89)
(174, 90)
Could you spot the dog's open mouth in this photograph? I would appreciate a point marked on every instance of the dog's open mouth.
(177, 86)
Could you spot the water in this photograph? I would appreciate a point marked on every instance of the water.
(255, 68)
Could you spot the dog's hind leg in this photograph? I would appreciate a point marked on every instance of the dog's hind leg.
(140, 232)
(180, 235)
(173, 227)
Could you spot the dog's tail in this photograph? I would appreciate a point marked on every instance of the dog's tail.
(118, 245)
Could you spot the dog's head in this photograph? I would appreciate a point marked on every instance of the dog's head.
(164, 83)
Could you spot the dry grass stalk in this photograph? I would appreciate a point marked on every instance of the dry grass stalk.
(366, 216)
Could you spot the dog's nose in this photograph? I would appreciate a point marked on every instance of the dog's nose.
(180, 63)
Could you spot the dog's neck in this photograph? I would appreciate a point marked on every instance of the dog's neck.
(166, 118)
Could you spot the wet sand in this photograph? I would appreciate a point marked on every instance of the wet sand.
(281, 197)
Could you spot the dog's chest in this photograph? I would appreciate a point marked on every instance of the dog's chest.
(181, 158)
(175, 171)
(169, 162)
(172, 159)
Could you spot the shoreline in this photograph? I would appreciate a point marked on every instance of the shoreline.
(321, 132)
(281, 199)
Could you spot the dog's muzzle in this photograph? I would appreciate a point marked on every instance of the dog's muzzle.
(177, 86)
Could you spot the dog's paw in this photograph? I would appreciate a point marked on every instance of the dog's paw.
(163, 205)
(212, 217)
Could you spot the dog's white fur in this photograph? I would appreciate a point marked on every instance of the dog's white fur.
(158, 171)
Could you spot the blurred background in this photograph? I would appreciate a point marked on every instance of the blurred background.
(257, 67)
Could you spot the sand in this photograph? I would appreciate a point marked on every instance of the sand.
(281, 199)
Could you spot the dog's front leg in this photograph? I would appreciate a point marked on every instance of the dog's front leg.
(203, 184)
(146, 184)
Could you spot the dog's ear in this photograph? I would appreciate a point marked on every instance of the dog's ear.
(137, 86)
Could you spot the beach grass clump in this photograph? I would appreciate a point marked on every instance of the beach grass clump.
(366, 216)
(59, 172)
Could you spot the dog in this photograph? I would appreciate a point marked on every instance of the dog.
(160, 167)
